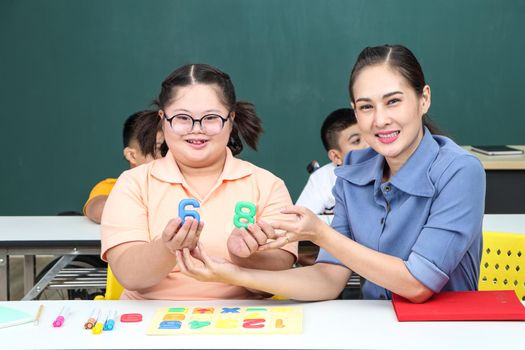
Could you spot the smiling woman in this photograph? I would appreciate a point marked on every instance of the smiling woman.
(408, 210)
(205, 128)
(392, 95)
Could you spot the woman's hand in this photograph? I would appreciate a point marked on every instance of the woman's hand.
(307, 227)
(244, 242)
(176, 236)
(198, 265)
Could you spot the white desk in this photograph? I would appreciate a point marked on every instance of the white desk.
(337, 324)
(512, 223)
(67, 236)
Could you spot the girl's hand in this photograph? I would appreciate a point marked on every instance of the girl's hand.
(176, 236)
(244, 242)
(197, 264)
(307, 227)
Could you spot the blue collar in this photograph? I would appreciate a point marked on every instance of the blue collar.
(365, 166)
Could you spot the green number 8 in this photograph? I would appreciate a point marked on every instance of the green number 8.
(243, 218)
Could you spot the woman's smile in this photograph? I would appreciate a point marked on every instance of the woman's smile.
(387, 137)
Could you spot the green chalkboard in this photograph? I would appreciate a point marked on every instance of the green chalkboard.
(72, 71)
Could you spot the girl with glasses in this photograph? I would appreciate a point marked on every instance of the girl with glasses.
(205, 127)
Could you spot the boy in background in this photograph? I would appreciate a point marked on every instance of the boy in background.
(143, 141)
(340, 135)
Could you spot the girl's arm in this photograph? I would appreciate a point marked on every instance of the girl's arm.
(139, 265)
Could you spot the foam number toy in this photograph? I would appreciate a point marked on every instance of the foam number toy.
(184, 213)
(244, 214)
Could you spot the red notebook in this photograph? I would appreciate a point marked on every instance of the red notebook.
(502, 305)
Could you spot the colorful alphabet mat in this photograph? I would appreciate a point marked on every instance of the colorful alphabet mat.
(227, 320)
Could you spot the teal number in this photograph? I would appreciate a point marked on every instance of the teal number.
(243, 217)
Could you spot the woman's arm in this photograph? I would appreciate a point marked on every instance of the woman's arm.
(243, 248)
(317, 282)
(382, 269)
(274, 260)
(385, 270)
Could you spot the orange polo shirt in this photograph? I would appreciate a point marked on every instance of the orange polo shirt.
(145, 198)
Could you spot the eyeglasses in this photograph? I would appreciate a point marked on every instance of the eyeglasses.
(210, 124)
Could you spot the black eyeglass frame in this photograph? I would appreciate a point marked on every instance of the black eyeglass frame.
(193, 121)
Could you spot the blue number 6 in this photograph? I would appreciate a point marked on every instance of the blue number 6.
(183, 213)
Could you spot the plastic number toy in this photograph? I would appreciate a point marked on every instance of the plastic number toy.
(244, 214)
(184, 213)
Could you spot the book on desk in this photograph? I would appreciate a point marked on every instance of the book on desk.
(499, 150)
(493, 305)
(12, 317)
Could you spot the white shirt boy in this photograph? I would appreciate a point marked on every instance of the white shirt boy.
(317, 194)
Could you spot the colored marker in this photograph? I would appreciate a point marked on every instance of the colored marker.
(92, 319)
(110, 322)
(59, 320)
(99, 325)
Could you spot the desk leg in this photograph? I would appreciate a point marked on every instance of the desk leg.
(44, 281)
(4, 275)
(29, 272)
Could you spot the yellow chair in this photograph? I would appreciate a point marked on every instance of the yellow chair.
(503, 263)
(113, 288)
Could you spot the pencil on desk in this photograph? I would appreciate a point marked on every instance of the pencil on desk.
(38, 314)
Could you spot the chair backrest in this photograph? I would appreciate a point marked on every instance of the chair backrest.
(113, 288)
(312, 166)
(503, 263)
